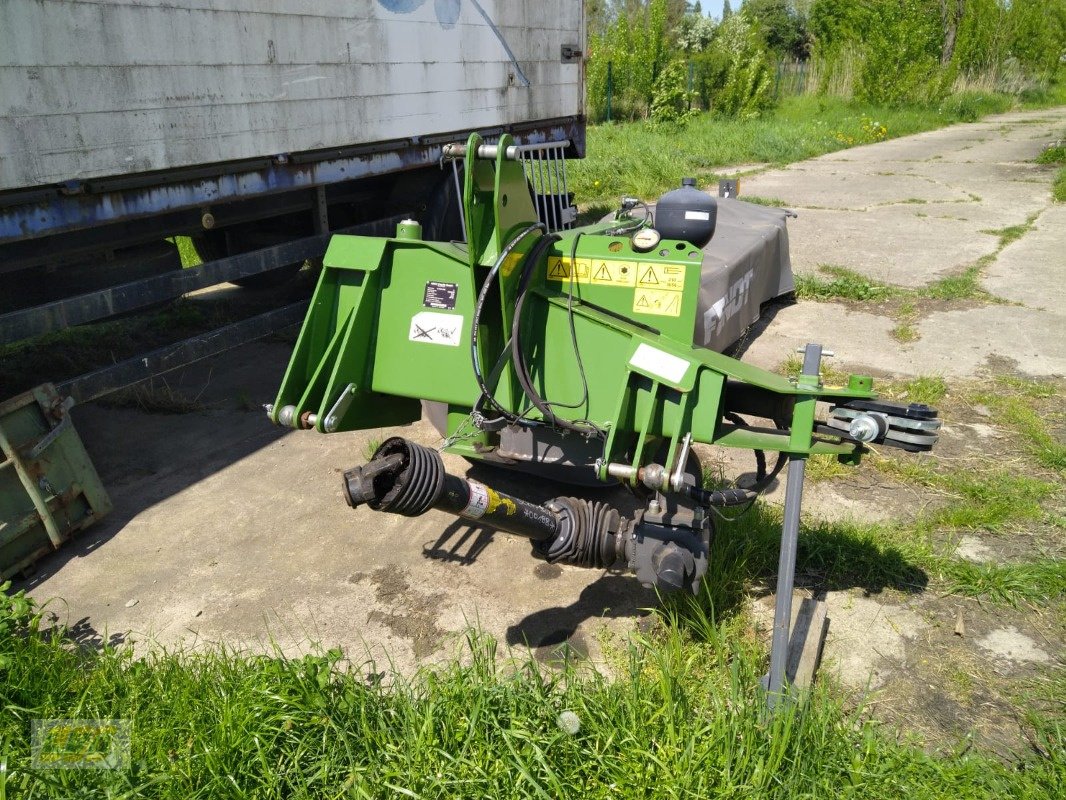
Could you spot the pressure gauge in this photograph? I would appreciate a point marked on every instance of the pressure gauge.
(645, 239)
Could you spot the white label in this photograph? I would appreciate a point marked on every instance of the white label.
(479, 501)
(434, 328)
(704, 215)
(663, 365)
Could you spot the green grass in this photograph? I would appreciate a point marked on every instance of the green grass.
(643, 159)
(772, 202)
(1011, 400)
(682, 717)
(844, 284)
(1058, 188)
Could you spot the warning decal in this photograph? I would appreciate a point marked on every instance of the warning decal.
(599, 271)
(509, 263)
(656, 301)
(613, 273)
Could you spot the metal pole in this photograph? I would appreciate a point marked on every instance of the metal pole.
(610, 87)
(786, 576)
(786, 563)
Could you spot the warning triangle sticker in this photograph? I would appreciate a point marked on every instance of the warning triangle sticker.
(602, 274)
(650, 277)
(558, 271)
(642, 301)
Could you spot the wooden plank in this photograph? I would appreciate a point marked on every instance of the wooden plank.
(809, 627)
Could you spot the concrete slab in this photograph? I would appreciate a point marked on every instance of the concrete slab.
(953, 343)
(892, 244)
(1032, 270)
(228, 529)
(912, 210)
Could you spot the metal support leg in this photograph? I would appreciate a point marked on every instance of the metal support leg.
(786, 564)
(786, 575)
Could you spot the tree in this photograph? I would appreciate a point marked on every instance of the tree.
(727, 11)
(778, 23)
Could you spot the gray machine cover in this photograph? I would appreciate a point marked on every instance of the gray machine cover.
(744, 265)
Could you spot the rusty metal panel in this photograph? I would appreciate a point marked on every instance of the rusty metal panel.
(49, 488)
(111, 87)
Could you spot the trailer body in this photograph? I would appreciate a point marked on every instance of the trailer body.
(251, 123)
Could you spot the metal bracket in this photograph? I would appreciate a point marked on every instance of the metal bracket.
(56, 432)
(570, 53)
(333, 418)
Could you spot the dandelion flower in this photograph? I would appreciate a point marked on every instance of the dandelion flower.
(569, 722)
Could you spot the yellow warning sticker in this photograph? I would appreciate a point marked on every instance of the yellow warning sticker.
(559, 269)
(658, 302)
(509, 263)
(670, 277)
(596, 271)
(613, 273)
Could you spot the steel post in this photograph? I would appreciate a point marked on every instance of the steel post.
(786, 575)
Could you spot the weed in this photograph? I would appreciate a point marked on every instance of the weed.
(214, 723)
(1058, 188)
(1056, 154)
(371, 447)
(905, 332)
(845, 285)
(1014, 404)
(155, 396)
(772, 202)
(825, 468)
(1013, 233)
(638, 158)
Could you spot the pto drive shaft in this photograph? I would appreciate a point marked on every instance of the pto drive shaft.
(667, 550)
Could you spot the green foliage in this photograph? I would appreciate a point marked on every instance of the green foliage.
(694, 33)
(672, 102)
(1038, 33)
(902, 58)
(731, 69)
(780, 25)
(970, 106)
(746, 78)
(914, 51)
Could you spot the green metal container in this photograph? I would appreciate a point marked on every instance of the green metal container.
(49, 488)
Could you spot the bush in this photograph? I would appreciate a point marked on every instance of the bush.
(672, 101)
(971, 106)
(745, 79)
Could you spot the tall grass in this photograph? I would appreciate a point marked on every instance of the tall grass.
(645, 159)
(682, 718)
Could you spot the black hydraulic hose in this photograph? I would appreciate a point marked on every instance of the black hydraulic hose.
(517, 357)
(487, 394)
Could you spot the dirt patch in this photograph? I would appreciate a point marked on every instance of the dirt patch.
(409, 614)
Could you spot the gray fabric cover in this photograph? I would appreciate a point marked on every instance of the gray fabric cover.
(744, 265)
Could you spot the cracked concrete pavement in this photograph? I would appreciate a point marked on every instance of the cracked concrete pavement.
(227, 529)
(914, 210)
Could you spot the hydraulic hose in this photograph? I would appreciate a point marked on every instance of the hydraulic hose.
(486, 287)
(518, 357)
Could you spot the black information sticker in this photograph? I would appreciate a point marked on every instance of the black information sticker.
(440, 295)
